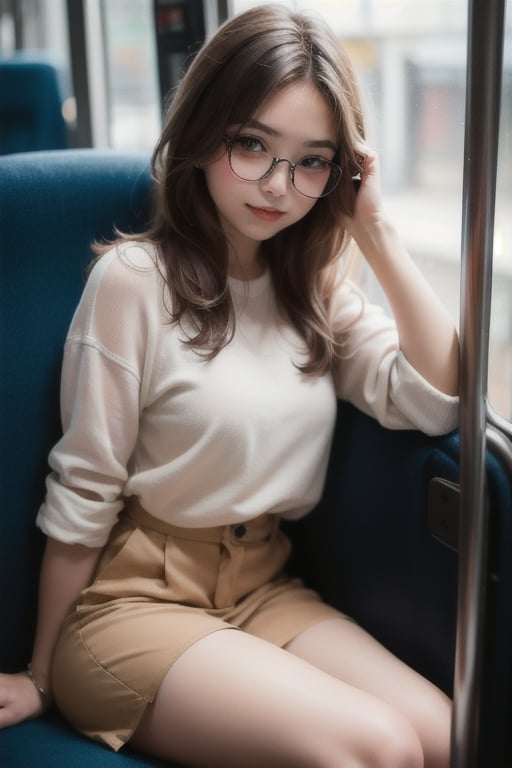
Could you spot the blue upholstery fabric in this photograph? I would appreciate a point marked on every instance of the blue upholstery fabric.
(367, 547)
(496, 706)
(52, 205)
(32, 90)
(50, 743)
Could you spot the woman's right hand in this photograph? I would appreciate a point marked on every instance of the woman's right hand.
(66, 570)
(20, 700)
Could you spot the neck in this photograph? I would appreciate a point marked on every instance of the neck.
(249, 268)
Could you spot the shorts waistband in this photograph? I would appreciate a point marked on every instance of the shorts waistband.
(259, 529)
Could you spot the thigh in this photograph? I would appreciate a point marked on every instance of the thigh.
(109, 663)
(233, 699)
(346, 651)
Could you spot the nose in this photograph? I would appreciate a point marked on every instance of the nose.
(277, 183)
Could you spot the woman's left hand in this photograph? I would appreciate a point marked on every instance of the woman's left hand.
(368, 208)
(427, 336)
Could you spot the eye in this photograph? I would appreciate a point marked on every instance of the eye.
(314, 163)
(248, 144)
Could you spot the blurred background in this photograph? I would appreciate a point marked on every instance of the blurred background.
(117, 61)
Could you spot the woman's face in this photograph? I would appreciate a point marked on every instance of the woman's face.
(295, 123)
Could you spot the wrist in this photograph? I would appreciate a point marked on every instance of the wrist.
(374, 231)
(379, 242)
(40, 683)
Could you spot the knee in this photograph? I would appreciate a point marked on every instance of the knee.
(432, 721)
(392, 742)
(381, 738)
(386, 739)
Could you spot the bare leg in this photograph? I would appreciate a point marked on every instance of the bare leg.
(234, 700)
(346, 651)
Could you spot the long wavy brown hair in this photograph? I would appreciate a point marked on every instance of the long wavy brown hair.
(247, 61)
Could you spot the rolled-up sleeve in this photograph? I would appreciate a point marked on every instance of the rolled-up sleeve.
(107, 351)
(89, 464)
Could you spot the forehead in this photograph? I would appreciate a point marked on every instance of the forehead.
(300, 112)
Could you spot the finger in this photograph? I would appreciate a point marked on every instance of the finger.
(19, 700)
(16, 713)
(7, 717)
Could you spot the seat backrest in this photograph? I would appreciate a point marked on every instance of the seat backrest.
(52, 206)
(32, 92)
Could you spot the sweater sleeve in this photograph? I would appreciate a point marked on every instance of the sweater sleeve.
(372, 373)
(105, 357)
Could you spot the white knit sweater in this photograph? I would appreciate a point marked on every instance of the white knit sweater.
(210, 443)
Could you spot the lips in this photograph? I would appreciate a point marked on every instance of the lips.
(266, 214)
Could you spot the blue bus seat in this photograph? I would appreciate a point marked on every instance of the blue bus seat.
(33, 87)
(367, 547)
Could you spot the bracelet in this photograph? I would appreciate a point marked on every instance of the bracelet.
(36, 684)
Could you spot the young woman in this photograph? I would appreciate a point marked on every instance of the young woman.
(198, 398)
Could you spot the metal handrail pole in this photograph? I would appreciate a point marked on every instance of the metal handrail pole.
(483, 95)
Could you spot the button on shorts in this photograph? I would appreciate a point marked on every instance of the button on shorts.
(157, 590)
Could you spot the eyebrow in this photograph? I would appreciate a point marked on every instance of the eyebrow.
(318, 143)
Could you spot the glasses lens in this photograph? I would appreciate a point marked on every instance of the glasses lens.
(316, 177)
(248, 160)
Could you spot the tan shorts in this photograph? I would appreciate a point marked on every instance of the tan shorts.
(157, 590)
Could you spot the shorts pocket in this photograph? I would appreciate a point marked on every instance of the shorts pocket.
(132, 566)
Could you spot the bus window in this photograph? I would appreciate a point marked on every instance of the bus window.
(33, 25)
(130, 53)
(500, 359)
